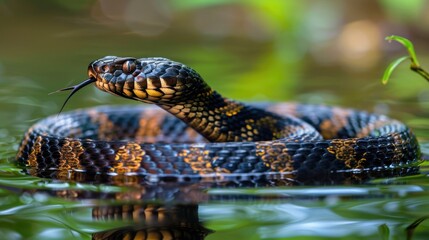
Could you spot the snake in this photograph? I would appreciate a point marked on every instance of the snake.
(190, 132)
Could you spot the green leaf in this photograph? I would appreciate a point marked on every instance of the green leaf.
(407, 44)
(391, 67)
(383, 229)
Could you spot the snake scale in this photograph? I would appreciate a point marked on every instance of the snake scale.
(197, 134)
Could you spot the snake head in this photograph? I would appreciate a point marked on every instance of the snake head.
(151, 80)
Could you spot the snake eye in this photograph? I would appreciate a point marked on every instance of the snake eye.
(105, 68)
(128, 67)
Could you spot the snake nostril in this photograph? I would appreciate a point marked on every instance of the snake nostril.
(91, 72)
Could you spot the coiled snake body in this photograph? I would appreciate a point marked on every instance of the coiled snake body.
(198, 134)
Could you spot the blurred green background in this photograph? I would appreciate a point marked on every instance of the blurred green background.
(313, 51)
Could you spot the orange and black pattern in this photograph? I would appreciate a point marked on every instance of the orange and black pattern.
(196, 134)
(362, 144)
(154, 222)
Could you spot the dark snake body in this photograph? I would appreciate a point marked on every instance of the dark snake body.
(199, 135)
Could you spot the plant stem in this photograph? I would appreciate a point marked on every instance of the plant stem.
(420, 71)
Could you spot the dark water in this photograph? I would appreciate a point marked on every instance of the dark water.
(47, 48)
